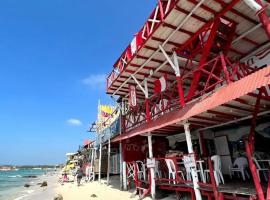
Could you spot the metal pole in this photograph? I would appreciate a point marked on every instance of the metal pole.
(99, 161)
(124, 175)
(120, 150)
(152, 170)
(92, 156)
(193, 169)
(109, 159)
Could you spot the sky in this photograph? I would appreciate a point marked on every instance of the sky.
(54, 58)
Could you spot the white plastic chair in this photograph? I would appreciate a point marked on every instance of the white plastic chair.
(90, 173)
(262, 167)
(217, 170)
(188, 170)
(172, 170)
(157, 169)
(141, 170)
(131, 171)
(239, 165)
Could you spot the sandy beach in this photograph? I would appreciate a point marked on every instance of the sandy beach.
(86, 191)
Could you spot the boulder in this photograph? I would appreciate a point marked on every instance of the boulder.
(93, 195)
(58, 197)
(44, 184)
(26, 185)
(30, 176)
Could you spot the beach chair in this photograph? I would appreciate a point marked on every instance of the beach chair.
(217, 170)
(239, 165)
(172, 170)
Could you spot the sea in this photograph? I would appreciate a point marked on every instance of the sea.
(12, 183)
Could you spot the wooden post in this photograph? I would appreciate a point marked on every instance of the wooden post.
(124, 175)
(152, 170)
(99, 161)
(193, 171)
(109, 161)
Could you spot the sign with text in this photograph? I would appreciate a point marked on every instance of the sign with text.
(150, 162)
(132, 96)
(189, 161)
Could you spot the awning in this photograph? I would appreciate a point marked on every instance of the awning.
(224, 95)
(87, 142)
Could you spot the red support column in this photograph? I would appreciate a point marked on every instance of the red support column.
(203, 59)
(123, 124)
(254, 172)
(268, 188)
(254, 122)
(250, 148)
(180, 91)
(212, 178)
(223, 63)
(264, 18)
(202, 144)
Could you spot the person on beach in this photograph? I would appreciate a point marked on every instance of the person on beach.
(65, 177)
(79, 174)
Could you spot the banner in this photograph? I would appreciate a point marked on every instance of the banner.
(106, 115)
(160, 84)
(132, 96)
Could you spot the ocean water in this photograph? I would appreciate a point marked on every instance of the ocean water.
(12, 183)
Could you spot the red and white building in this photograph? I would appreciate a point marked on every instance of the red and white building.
(195, 66)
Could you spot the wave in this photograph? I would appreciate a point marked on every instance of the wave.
(20, 197)
(30, 191)
(24, 195)
(15, 176)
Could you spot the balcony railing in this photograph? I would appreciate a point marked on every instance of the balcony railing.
(157, 16)
(213, 75)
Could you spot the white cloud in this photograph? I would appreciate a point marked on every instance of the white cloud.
(74, 122)
(95, 81)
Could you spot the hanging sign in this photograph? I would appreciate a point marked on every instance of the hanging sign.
(150, 162)
(132, 96)
(189, 161)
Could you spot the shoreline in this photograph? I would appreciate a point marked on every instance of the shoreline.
(70, 191)
(35, 191)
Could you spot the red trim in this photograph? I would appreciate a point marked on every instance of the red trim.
(264, 19)
(254, 172)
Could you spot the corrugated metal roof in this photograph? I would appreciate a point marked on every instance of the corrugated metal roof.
(212, 101)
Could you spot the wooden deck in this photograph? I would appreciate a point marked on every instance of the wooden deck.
(231, 187)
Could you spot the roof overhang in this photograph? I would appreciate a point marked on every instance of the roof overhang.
(244, 90)
(172, 29)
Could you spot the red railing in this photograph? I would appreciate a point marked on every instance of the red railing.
(214, 74)
(156, 18)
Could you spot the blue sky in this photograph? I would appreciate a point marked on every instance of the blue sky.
(49, 50)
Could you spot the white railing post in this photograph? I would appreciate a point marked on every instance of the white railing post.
(193, 169)
(152, 170)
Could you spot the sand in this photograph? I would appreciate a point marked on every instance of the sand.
(87, 191)
(102, 191)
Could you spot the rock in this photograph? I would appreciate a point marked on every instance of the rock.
(58, 197)
(30, 176)
(93, 195)
(27, 185)
(44, 184)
